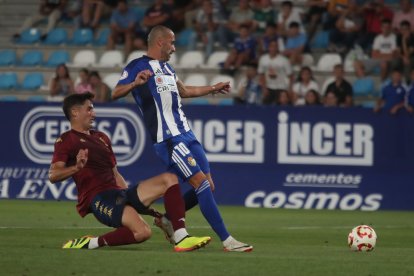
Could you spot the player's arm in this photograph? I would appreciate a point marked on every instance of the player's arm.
(123, 89)
(198, 91)
(120, 181)
(59, 172)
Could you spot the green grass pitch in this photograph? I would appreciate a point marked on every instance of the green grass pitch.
(286, 242)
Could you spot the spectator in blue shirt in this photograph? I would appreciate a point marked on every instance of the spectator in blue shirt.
(392, 95)
(250, 91)
(123, 24)
(410, 94)
(295, 44)
(244, 50)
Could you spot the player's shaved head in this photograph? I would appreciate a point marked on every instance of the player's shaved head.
(156, 33)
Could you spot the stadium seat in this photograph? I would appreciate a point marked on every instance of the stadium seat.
(196, 79)
(36, 98)
(308, 60)
(32, 58)
(228, 101)
(199, 101)
(224, 78)
(9, 99)
(135, 54)
(8, 81)
(111, 58)
(321, 40)
(139, 13)
(57, 57)
(82, 37)
(363, 87)
(33, 81)
(102, 38)
(29, 36)
(83, 58)
(368, 104)
(327, 62)
(192, 59)
(7, 58)
(56, 37)
(216, 58)
(111, 80)
(183, 38)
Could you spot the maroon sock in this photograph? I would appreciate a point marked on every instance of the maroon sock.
(174, 206)
(120, 236)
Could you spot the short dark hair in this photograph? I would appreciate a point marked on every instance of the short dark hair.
(287, 4)
(386, 21)
(294, 24)
(75, 99)
(405, 23)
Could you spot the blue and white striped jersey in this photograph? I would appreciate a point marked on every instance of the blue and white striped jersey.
(158, 99)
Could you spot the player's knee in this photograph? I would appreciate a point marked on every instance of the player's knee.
(143, 234)
(169, 180)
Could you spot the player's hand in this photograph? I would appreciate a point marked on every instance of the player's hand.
(222, 87)
(81, 158)
(142, 77)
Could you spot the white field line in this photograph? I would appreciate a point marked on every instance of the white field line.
(80, 227)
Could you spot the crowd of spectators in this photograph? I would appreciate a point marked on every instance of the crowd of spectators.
(267, 38)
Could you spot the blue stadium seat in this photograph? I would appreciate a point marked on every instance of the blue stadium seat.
(321, 40)
(7, 58)
(32, 58)
(37, 98)
(364, 87)
(82, 37)
(102, 38)
(199, 101)
(139, 12)
(33, 81)
(228, 101)
(8, 81)
(56, 37)
(29, 36)
(368, 104)
(58, 57)
(183, 38)
(9, 99)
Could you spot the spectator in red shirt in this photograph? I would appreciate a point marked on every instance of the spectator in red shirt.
(373, 12)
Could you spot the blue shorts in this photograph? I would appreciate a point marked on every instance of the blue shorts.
(108, 206)
(183, 155)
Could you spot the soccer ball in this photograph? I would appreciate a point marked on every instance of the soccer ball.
(362, 238)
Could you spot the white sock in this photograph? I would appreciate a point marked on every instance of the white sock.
(180, 234)
(93, 243)
(227, 241)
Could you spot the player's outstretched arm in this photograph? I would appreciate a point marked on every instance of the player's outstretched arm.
(199, 91)
(123, 89)
(59, 172)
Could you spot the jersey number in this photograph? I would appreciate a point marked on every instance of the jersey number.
(182, 149)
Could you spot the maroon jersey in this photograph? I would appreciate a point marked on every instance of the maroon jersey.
(97, 175)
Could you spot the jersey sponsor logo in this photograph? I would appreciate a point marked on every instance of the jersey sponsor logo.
(323, 143)
(124, 75)
(232, 141)
(314, 200)
(82, 140)
(42, 126)
(165, 83)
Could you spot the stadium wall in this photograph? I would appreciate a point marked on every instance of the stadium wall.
(272, 157)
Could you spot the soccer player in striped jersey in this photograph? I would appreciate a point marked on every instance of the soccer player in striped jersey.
(86, 155)
(159, 100)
